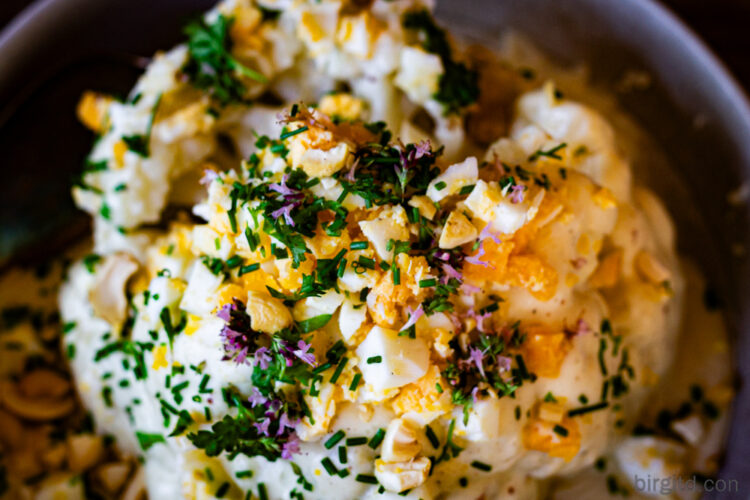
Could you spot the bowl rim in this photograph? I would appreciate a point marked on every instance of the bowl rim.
(43, 15)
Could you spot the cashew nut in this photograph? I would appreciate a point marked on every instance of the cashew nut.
(38, 409)
(112, 476)
(107, 296)
(267, 314)
(54, 456)
(11, 431)
(44, 382)
(84, 451)
(136, 489)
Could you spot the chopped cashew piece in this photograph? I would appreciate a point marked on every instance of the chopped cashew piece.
(458, 230)
(402, 476)
(108, 293)
(84, 451)
(426, 206)
(11, 431)
(267, 314)
(112, 476)
(42, 382)
(400, 443)
(136, 489)
(40, 409)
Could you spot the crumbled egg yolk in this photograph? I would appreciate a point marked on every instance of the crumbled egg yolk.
(545, 350)
(557, 438)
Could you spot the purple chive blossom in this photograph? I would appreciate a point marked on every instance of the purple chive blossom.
(262, 358)
(350, 174)
(413, 317)
(272, 407)
(470, 288)
(262, 426)
(302, 353)
(456, 321)
(476, 357)
(290, 447)
(477, 259)
(285, 422)
(503, 363)
(223, 313)
(578, 262)
(286, 212)
(582, 327)
(451, 272)
(281, 187)
(256, 398)
(479, 319)
(517, 192)
(234, 347)
(241, 356)
(487, 233)
(443, 255)
(422, 148)
(474, 392)
(208, 177)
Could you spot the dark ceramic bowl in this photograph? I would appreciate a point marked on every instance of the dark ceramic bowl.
(57, 48)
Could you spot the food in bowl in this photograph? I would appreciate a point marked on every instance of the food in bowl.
(334, 256)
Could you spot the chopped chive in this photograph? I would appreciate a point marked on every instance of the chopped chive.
(223, 489)
(333, 440)
(358, 245)
(366, 262)
(292, 133)
(343, 473)
(440, 186)
(366, 478)
(587, 409)
(434, 441)
(355, 382)
(490, 308)
(377, 439)
(262, 493)
(481, 466)
(427, 283)
(204, 382)
(233, 261)
(342, 454)
(396, 275)
(249, 268)
(463, 482)
(356, 441)
(374, 360)
(329, 467)
(522, 367)
(339, 369)
(322, 368)
(438, 388)
(466, 189)
(560, 430)
(244, 474)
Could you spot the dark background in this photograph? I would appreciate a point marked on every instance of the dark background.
(724, 24)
